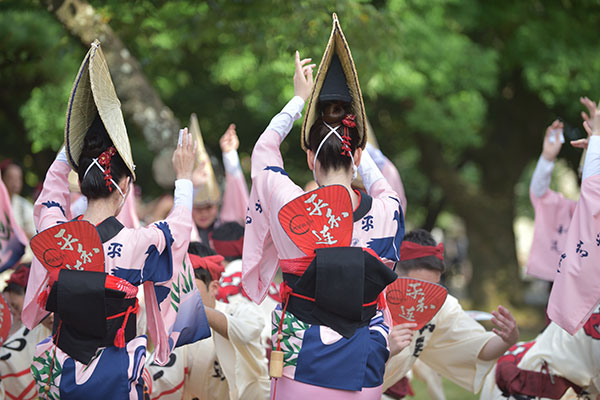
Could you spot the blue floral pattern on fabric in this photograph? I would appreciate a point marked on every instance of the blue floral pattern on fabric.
(50, 204)
(275, 168)
(389, 247)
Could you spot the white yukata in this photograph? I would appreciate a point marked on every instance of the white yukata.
(576, 358)
(15, 360)
(218, 368)
(450, 344)
(378, 226)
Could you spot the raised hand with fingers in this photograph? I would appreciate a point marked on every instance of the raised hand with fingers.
(506, 326)
(303, 77)
(184, 155)
(552, 142)
(588, 122)
(400, 337)
(229, 141)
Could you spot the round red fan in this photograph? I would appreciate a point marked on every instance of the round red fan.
(5, 320)
(73, 245)
(319, 218)
(414, 300)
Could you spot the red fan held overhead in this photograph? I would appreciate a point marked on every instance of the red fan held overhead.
(73, 245)
(5, 320)
(320, 218)
(414, 300)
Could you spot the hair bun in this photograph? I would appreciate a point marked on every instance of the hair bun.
(333, 113)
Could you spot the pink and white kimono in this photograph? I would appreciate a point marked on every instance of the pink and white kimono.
(389, 172)
(553, 213)
(12, 237)
(155, 257)
(317, 360)
(576, 290)
(235, 197)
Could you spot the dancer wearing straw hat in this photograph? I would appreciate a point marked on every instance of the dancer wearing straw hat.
(207, 215)
(329, 334)
(88, 271)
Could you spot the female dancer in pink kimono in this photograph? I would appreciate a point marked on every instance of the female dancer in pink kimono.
(95, 351)
(74, 361)
(337, 354)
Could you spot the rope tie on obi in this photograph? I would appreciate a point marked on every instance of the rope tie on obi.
(120, 336)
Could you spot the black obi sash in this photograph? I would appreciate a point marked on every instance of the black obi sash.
(342, 281)
(82, 307)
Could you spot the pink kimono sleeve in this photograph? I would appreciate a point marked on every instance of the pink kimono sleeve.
(271, 188)
(553, 213)
(391, 174)
(49, 210)
(235, 198)
(576, 290)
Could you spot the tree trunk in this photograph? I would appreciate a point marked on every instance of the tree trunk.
(138, 98)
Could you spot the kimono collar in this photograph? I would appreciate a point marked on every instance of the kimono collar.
(109, 228)
(364, 206)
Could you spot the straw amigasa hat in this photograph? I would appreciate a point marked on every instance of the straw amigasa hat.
(336, 80)
(208, 193)
(93, 92)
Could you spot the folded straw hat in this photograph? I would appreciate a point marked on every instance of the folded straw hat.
(337, 45)
(208, 193)
(93, 92)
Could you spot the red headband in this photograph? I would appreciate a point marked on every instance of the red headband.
(411, 250)
(210, 263)
(229, 248)
(19, 276)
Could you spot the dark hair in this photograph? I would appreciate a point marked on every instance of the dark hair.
(330, 156)
(12, 287)
(424, 238)
(97, 141)
(201, 250)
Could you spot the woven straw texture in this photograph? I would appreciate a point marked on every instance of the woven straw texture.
(93, 91)
(337, 44)
(208, 192)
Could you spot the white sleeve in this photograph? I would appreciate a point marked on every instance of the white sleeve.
(282, 122)
(376, 154)
(184, 193)
(592, 158)
(540, 181)
(231, 162)
(62, 155)
(368, 171)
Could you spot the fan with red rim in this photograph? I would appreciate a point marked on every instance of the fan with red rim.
(414, 300)
(5, 320)
(73, 245)
(319, 218)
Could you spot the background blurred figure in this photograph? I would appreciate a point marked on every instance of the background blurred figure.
(12, 175)
(14, 293)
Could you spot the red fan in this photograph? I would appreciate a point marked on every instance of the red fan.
(319, 218)
(73, 245)
(414, 300)
(5, 320)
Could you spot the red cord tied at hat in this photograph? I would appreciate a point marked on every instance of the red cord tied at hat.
(104, 160)
(213, 264)
(411, 250)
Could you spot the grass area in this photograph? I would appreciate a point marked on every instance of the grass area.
(451, 390)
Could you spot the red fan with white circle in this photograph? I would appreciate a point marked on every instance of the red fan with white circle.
(414, 300)
(73, 245)
(319, 218)
(5, 320)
